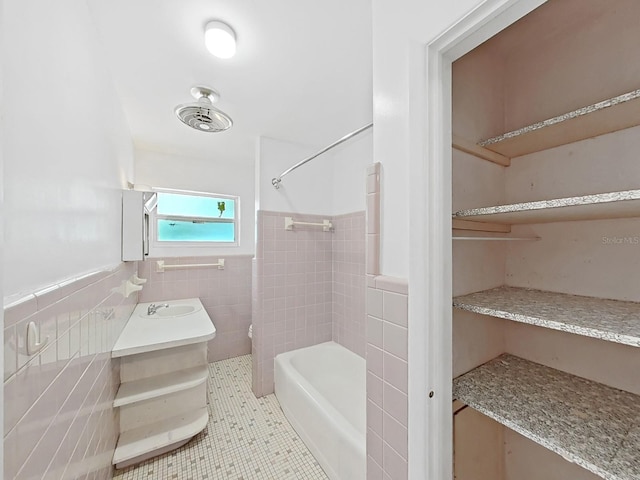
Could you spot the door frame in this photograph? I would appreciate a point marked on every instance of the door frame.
(430, 275)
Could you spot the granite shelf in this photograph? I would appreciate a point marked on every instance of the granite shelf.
(587, 423)
(606, 116)
(610, 205)
(611, 320)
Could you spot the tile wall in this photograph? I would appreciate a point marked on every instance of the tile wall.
(387, 345)
(225, 294)
(349, 318)
(59, 420)
(294, 291)
(309, 288)
(373, 219)
(387, 378)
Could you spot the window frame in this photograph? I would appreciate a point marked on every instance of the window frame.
(154, 217)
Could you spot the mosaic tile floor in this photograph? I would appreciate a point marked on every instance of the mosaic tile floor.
(247, 438)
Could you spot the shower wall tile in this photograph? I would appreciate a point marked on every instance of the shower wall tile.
(374, 302)
(373, 213)
(387, 377)
(293, 290)
(349, 282)
(392, 284)
(19, 308)
(374, 471)
(395, 340)
(374, 331)
(225, 295)
(373, 219)
(395, 308)
(59, 420)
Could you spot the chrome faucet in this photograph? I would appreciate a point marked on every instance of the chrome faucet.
(153, 308)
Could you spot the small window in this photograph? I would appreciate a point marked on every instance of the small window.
(196, 218)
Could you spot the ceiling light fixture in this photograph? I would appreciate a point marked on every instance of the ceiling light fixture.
(220, 39)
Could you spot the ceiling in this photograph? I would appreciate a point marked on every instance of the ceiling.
(302, 71)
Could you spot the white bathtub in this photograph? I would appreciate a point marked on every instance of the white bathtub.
(322, 391)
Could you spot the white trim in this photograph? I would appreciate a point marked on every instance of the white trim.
(195, 219)
(2, 251)
(430, 277)
(196, 193)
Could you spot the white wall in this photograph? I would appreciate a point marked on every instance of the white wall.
(539, 73)
(305, 190)
(158, 169)
(331, 184)
(350, 162)
(401, 31)
(67, 149)
(2, 120)
(398, 28)
(478, 95)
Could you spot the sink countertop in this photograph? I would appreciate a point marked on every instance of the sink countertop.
(148, 333)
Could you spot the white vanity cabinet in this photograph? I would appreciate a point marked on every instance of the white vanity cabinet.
(162, 399)
(546, 316)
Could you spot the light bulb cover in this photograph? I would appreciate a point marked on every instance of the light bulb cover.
(220, 39)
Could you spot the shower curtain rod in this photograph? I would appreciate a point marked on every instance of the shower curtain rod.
(275, 181)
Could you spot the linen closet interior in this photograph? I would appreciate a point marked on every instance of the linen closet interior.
(546, 247)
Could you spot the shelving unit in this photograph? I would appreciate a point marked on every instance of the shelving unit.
(458, 224)
(467, 146)
(612, 320)
(496, 239)
(158, 386)
(610, 205)
(534, 403)
(162, 398)
(606, 116)
(162, 401)
(161, 436)
(587, 423)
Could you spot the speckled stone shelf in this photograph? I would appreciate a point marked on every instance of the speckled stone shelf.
(624, 204)
(612, 320)
(606, 116)
(592, 425)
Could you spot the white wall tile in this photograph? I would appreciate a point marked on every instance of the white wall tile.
(395, 308)
(42, 395)
(374, 302)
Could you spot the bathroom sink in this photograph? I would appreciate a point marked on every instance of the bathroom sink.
(173, 311)
(183, 322)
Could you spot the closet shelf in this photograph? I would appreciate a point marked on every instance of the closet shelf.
(607, 116)
(498, 239)
(624, 204)
(612, 320)
(467, 146)
(590, 424)
(479, 226)
(153, 387)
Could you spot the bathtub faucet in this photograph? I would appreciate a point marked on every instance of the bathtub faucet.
(153, 308)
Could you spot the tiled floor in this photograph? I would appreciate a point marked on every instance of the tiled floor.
(247, 438)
